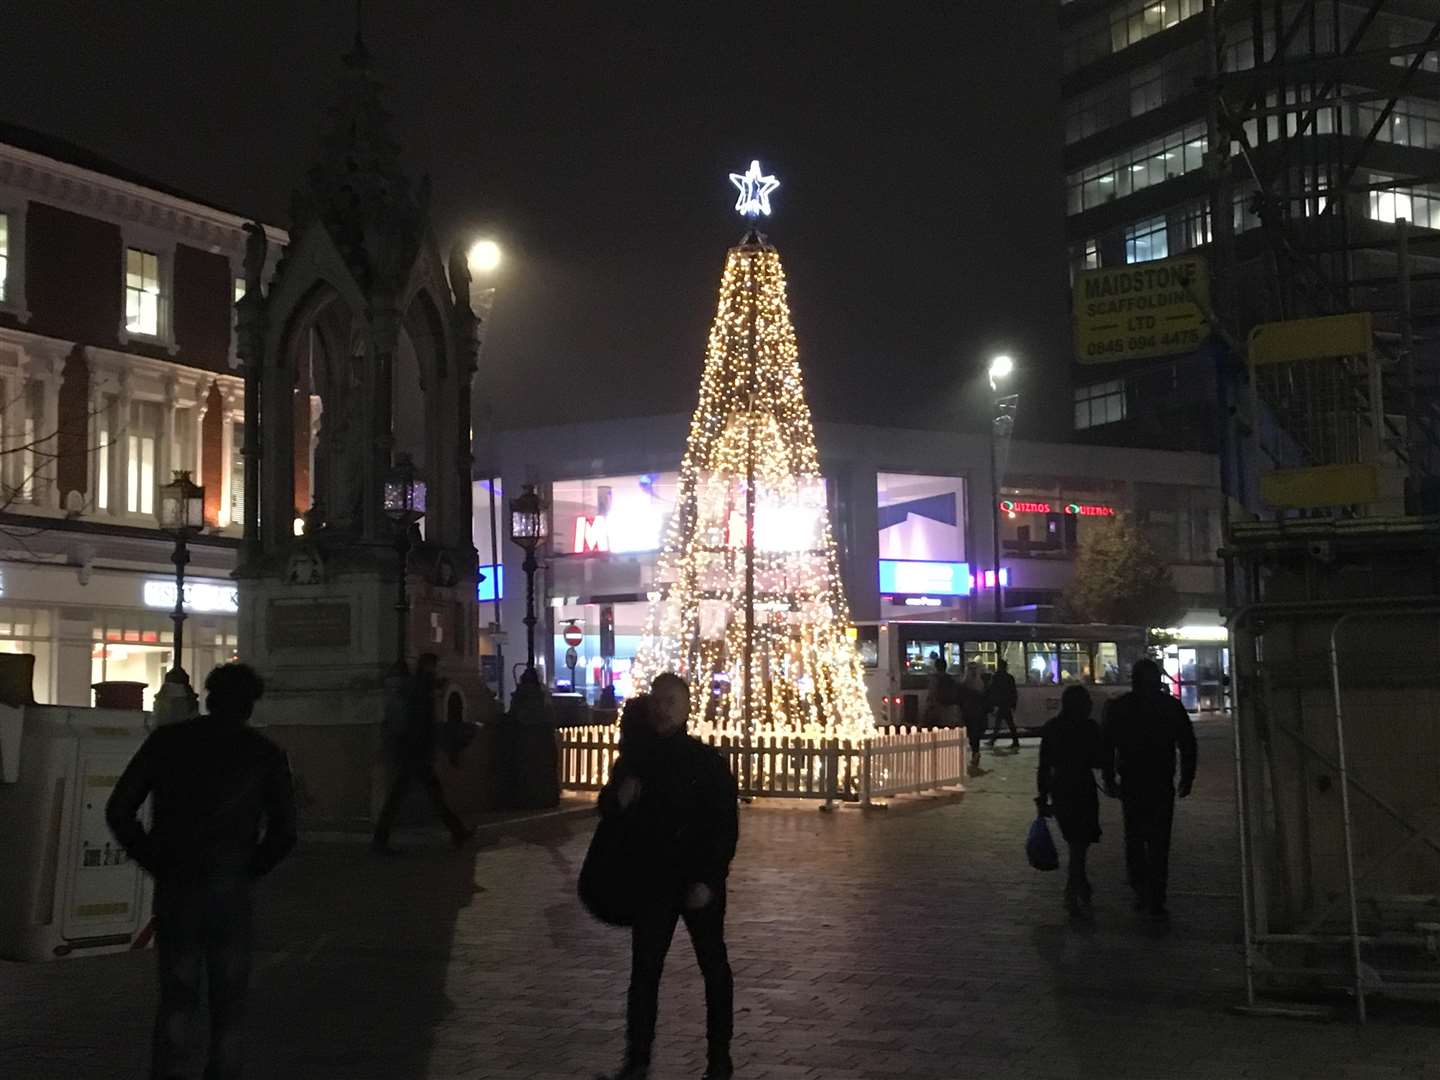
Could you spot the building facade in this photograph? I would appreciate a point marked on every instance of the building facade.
(910, 511)
(117, 366)
(1327, 135)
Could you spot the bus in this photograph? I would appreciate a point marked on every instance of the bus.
(1044, 658)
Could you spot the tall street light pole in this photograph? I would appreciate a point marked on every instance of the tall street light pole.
(181, 514)
(1002, 425)
(405, 506)
(484, 259)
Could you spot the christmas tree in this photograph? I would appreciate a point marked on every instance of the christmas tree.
(749, 608)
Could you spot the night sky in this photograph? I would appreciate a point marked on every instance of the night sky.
(919, 217)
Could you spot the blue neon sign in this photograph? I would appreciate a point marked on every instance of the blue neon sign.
(908, 577)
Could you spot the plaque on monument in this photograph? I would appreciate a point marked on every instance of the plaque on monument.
(308, 624)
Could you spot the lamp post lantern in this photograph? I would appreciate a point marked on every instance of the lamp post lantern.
(405, 506)
(529, 525)
(1002, 425)
(180, 513)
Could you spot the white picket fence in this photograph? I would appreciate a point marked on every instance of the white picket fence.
(893, 761)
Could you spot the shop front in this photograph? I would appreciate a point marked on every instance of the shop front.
(113, 626)
(606, 539)
(1196, 660)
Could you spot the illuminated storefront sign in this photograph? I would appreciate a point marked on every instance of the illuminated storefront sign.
(987, 579)
(489, 576)
(925, 579)
(923, 601)
(1011, 507)
(199, 597)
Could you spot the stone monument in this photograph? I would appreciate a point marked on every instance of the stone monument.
(360, 354)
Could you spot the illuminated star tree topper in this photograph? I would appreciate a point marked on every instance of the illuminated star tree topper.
(755, 190)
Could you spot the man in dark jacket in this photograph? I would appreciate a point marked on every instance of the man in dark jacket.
(213, 782)
(413, 759)
(679, 798)
(1002, 696)
(1144, 731)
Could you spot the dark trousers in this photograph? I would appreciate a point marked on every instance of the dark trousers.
(416, 772)
(203, 932)
(1077, 882)
(649, 942)
(1148, 819)
(1007, 714)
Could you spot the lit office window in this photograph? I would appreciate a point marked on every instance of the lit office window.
(1100, 403)
(1142, 166)
(141, 441)
(4, 251)
(102, 461)
(142, 292)
(1146, 240)
(1125, 24)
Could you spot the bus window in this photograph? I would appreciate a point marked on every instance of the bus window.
(1013, 653)
(1042, 663)
(867, 642)
(980, 653)
(1074, 662)
(920, 657)
(954, 657)
(1107, 664)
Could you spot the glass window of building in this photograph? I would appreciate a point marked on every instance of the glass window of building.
(1099, 403)
(141, 439)
(237, 472)
(28, 630)
(1189, 228)
(1180, 152)
(4, 253)
(612, 514)
(133, 646)
(1123, 25)
(142, 292)
(1146, 240)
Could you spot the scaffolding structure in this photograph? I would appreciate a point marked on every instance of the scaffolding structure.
(1326, 135)
(1325, 202)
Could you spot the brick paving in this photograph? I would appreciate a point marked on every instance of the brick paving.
(909, 943)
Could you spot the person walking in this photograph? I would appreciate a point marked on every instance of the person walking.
(1070, 752)
(971, 696)
(1002, 696)
(942, 696)
(680, 801)
(413, 759)
(222, 816)
(1144, 732)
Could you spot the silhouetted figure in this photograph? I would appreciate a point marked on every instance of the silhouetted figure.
(1144, 731)
(413, 758)
(942, 697)
(679, 798)
(971, 696)
(1070, 752)
(1002, 696)
(215, 786)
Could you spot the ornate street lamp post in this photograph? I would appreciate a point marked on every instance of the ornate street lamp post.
(529, 525)
(181, 513)
(405, 506)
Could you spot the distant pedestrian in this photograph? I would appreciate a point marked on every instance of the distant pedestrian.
(942, 698)
(971, 695)
(1002, 696)
(412, 755)
(1144, 733)
(1070, 752)
(222, 815)
(679, 797)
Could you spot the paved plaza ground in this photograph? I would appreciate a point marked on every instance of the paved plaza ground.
(909, 943)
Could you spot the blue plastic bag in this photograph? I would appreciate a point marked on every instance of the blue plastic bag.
(1040, 848)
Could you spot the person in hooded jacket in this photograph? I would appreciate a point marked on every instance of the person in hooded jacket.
(680, 801)
(1070, 752)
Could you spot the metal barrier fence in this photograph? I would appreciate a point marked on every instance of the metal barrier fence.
(894, 761)
(1337, 740)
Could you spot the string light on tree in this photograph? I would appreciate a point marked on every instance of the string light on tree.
(749, 607)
